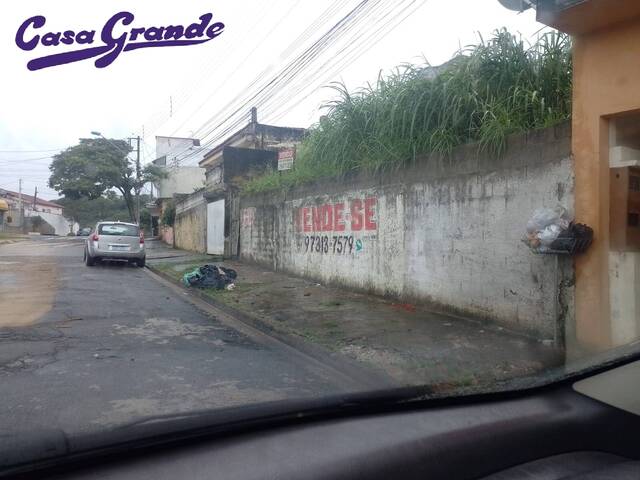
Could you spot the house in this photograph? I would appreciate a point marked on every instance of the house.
(171, 155)
(4, 209)
(21, 209)
(605, 145)
(208, 221)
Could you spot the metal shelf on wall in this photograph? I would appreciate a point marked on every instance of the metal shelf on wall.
(538, 251)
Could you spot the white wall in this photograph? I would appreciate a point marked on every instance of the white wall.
(61, 225)
(452, 238)
(181, 148)
(182, 180)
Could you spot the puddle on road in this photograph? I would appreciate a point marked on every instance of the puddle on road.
(27, 292)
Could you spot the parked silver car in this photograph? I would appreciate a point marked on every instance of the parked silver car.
(115, 241)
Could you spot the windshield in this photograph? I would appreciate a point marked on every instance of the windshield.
(328, 198)
(118, 229)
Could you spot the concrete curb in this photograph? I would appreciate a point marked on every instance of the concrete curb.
(364, 376)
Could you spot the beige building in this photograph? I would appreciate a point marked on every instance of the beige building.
(606, 152)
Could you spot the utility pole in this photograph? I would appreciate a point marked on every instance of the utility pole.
(138, 187)
(151, 216)
(35, 200)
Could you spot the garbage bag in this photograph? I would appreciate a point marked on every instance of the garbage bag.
(576, 239)
(549, 234)
(210, 276)
(190, 278)
(543, 217)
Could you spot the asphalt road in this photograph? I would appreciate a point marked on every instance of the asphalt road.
(87, 348)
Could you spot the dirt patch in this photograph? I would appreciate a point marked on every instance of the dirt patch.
(27, 291)
(408, 342)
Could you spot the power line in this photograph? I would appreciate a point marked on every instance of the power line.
(33, 151)
(293, 68)
(24, 159)
(310, 80)
(353, 51)
(240, 64)
(188, 90)
(309, 53)
(267, 97)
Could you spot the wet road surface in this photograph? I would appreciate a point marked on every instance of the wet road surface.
(87, 348)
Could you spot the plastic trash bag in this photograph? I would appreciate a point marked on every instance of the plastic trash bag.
(549, 234)
(543, 217)
(210, 276)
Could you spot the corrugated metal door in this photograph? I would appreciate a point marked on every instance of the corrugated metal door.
(215, 228)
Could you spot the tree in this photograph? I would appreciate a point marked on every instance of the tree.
(88, 212)
(169, 215)
(95, 166)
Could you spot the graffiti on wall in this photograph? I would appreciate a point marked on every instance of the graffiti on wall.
(336, 228)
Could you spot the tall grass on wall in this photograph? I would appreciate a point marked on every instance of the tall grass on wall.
(488, 91)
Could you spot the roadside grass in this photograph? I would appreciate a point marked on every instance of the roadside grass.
(327, 333)
(329, 328)
(487, 92)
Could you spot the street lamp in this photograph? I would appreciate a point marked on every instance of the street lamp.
(98, 134)
(137, 188)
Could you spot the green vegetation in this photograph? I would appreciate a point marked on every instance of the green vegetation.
(109, 206)
(95, 167)
(487, 92)
(169, 215)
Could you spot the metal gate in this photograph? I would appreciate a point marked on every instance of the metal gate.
(215, 227)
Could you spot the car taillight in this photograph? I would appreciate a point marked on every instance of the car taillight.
(141, 238)
(95, 237)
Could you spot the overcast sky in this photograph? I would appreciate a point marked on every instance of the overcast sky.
(188, 90)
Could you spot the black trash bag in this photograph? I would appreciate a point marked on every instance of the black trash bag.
(575, 239)
(211, 276)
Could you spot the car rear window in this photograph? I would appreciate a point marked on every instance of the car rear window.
(118, 229)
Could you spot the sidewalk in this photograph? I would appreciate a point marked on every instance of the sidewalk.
(407, 342)
(8, 238)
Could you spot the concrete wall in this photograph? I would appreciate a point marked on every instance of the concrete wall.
(166, 234)
(182, 180)
(54, 224)
(190, 227)
(447, 232)
(177, 149)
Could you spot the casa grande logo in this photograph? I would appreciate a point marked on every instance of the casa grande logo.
(116, 36)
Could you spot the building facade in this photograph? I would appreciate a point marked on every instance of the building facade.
(19, 210)
(606, 153)
(208, 221)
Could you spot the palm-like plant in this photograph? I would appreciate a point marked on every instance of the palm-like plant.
(485, 93)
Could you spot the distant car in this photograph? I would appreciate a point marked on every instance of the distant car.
(84, 232)
(115, 241)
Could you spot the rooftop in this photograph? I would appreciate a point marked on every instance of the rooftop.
(28, 199)
(255, 129)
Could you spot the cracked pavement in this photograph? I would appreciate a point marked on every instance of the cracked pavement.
(83, 349)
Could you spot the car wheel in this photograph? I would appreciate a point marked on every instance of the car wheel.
(88, 260)
(141, 262)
